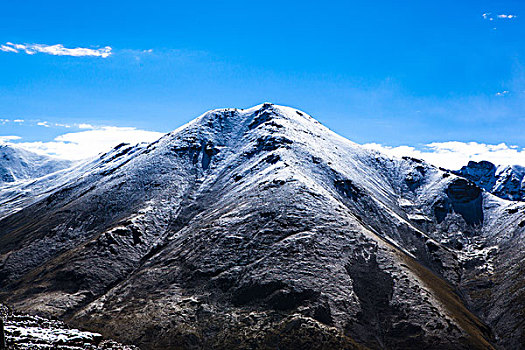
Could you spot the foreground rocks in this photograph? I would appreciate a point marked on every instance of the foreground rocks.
(24, 332)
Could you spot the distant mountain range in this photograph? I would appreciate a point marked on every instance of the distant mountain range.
(507, 182)
(262, 229)
(18, 164)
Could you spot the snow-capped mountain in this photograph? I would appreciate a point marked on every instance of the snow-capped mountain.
(18, 164)
(261, 228)
(507, 182)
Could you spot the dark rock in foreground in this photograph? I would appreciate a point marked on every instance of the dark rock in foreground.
(26, 332)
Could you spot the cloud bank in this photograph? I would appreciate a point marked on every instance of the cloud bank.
(56, 50)
(453, 154)
(85, 144)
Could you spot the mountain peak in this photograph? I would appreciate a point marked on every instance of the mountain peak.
(257, 115)
(229, 126)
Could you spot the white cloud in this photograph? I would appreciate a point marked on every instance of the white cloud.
(62, 125)
(490, 17)
(89, 143)
(502, 93)
(504, 16)
(6, 48)
(56, 50)
(6, 139)
(453, 154)
(46, 124)
(85, 126)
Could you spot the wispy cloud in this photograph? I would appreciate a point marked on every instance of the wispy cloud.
(7, 48)
(85, 126)
(502, 93)
(45, 124)
(62, 125)
(6, 139)
(504, 16)
(85, 144)
(490, 17)
(56, 50)
(453, 154)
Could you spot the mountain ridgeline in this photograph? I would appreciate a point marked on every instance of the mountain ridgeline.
(263, 229)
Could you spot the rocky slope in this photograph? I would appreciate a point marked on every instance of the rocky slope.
(18, 164)
(507, 182)
(261, 228)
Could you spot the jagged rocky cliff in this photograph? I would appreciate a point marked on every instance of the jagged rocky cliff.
(261, 228)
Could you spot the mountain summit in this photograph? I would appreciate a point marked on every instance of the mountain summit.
(261, 228)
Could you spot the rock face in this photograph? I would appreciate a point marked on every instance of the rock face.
(507, 182)
(18, 164)
(262, 229)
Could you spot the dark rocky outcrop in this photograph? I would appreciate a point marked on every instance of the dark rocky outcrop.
(466, 199)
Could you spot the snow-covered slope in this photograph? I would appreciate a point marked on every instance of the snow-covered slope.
(507, 182)
(262, 228)
(15, 196)
(18, 164)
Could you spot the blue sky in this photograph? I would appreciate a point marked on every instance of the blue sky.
(391, 73)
